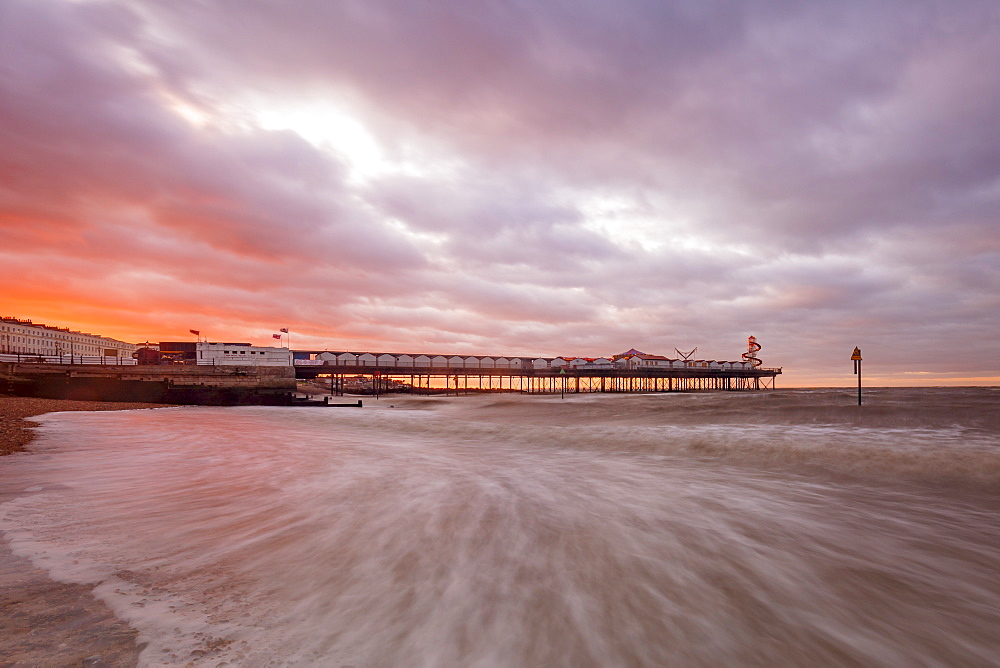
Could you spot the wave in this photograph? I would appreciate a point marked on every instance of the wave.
(622, 530)
(946, 435)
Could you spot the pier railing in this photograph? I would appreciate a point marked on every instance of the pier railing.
(25, 358)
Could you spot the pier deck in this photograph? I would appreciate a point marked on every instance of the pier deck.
(547, 380)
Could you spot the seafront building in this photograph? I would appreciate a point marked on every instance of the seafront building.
(24, 337)
(216, 354)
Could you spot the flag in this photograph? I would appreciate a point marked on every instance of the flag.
(195, 332)
(277, 336)
(284, 329)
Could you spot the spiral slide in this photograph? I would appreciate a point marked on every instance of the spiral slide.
(751, 354)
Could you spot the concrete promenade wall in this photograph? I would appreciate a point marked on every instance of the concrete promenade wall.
(217, 385)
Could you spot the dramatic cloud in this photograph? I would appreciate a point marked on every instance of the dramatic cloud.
(531, 178)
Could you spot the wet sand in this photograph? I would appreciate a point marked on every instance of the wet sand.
(35, 608)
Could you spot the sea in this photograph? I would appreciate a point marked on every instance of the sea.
(786, 527)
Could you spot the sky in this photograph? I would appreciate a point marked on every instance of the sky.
(523, 178)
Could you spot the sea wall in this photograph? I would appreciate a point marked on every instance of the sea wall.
(180, 384)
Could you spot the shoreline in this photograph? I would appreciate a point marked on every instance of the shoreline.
(15, 413)
(33, 606)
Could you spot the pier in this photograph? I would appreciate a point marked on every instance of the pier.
(631, 371)
(549, 380)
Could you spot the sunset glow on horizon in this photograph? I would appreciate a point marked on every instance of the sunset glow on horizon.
(524, 179)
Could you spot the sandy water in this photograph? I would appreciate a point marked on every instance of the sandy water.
(697, 529)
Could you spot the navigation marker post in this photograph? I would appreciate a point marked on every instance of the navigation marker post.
(856, 356)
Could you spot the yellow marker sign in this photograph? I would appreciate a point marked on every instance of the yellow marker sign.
(857, 354)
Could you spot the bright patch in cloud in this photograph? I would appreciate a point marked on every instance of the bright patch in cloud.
(622, 221)
(330, 129)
